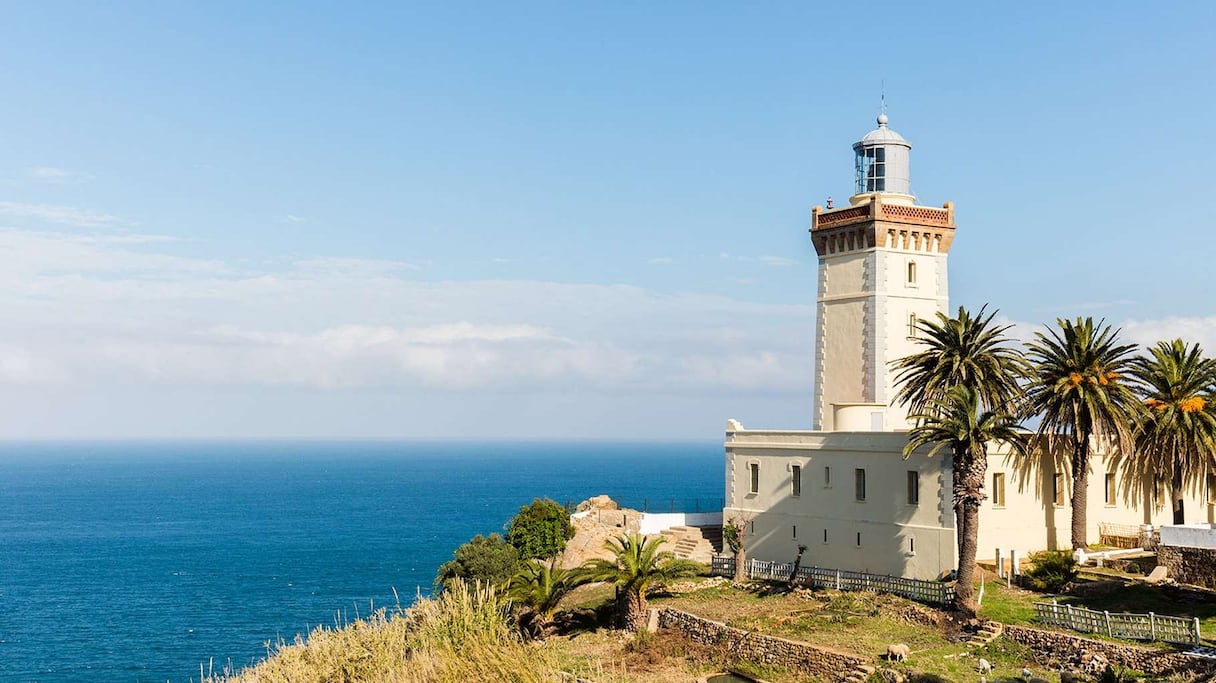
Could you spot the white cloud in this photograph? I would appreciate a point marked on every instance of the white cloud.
(54, 174)
(95, 311)
(354, 266)
(1201, 329)
(65, 215)
(661, 261)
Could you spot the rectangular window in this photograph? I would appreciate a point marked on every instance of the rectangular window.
(912, 545)
(913, 488)
(795, 531)
(859, 484)
(911, 273)
(1212, 489)
(825, 535)
(858, 539)
(1109, 489)
(1057, 489)
(998, 489)
(827, 477)
(796, 480)
(755, 472)
(912, 321)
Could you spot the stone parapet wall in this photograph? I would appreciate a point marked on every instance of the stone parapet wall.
(1062, 649)
(762, 649)
(1196, 566)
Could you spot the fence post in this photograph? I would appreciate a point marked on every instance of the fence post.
(1152, 626)
(837, 579)
(1000, 566)
(1108, 631)
(1195, 623)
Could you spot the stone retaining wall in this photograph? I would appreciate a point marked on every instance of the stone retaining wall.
(1196, 566)
(1063, 649)
(762, 649)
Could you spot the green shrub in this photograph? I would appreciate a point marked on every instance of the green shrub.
(484, 559)
(539, 530)
(1051, 571)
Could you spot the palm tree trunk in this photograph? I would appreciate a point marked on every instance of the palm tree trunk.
(969, 497)
(1080, 491)
(631, 610)
(958, 509)
(1176, 494)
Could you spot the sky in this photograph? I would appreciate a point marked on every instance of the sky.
(554, 220)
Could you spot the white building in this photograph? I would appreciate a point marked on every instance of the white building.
(842, 488)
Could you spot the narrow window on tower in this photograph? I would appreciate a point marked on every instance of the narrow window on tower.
(827, 477)
(912, 320)
(1109, 489)
(859, 481)
(754, 468)
(913, 488)
(796, 480)
(1212, 489)
(1057, 489)
(998, 489)
(911, 273)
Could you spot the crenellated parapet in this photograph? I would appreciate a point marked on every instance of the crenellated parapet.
(875, 223)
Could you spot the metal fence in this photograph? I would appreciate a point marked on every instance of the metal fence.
(1120, 535)
(1119, 625)
(931, 592)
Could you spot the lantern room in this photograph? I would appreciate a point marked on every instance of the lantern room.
(882, 161)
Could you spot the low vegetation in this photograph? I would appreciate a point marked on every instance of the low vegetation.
(472, 633)
(463, 634)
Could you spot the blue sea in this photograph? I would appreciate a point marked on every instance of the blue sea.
(139, 562)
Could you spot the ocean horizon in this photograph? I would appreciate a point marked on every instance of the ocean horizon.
(143, 561)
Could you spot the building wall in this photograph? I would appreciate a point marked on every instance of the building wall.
(839, 357)
(1030, 520)
(898, 538)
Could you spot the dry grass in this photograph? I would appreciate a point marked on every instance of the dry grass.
(462, 635)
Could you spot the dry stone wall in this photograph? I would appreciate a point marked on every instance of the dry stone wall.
(762, 649)
(1067, 650)
(1196, 566)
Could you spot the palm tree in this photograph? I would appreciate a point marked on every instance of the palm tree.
(636, 566)
(539, 587)
(969, 351)
(955, 421)
(1076, 385)
(1176, 437)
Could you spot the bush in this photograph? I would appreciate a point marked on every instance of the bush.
(1051, 571)
(540, 530)
(484, 559)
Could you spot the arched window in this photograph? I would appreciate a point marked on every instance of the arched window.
(911, 273)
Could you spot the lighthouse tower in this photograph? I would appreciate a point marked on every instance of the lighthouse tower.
(882, 268)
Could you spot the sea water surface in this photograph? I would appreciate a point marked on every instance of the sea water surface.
(139, 562)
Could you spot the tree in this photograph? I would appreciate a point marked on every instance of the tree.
(735, 533)
(1176, 437)
(540, 530)
(637, 565)
(485, 559)
(970, 351)
(967, 350)
(1076, 385)
(956, 422)
(538, 587)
